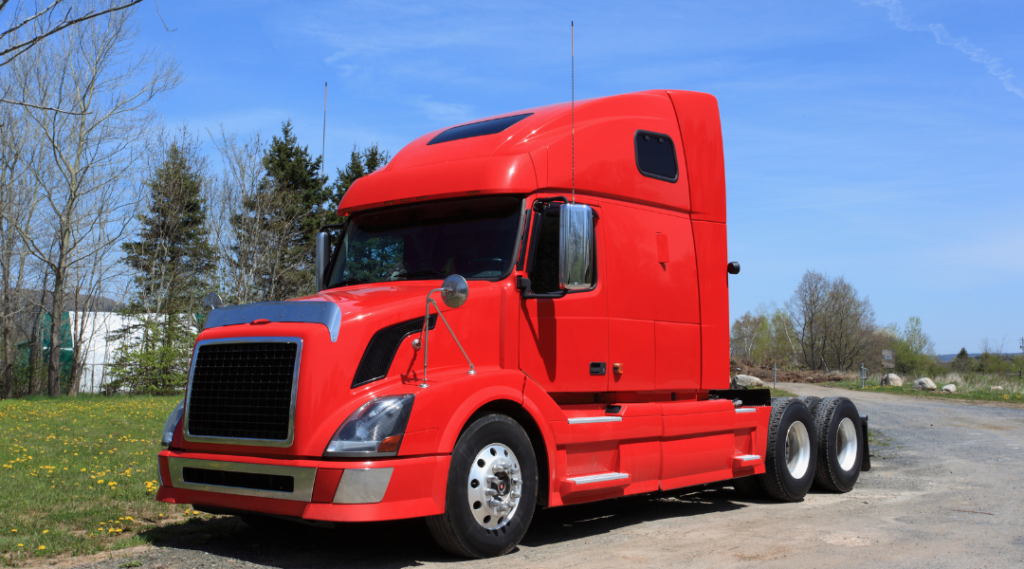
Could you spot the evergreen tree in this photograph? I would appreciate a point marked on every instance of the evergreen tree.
(172, 258)
(285, 213)
(361, 163)
(172, 261)
(962, 362)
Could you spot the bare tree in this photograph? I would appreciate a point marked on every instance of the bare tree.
(90, 284)
(248, 229)
(85, 181)
(834, 326)
(808, 308)
(17, 204)
(851, 325)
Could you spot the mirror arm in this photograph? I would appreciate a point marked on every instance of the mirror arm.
(426, 338)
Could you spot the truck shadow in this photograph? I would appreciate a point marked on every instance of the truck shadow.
(407, 543)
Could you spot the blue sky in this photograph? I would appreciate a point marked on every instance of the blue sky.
(882, 141)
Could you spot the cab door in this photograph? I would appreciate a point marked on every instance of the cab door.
(563, 336)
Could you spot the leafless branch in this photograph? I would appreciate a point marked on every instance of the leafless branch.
(39, 107)
(66, 22)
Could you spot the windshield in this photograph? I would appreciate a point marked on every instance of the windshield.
(472, 237)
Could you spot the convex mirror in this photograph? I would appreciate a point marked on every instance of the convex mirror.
(454, 291)
(576, 241)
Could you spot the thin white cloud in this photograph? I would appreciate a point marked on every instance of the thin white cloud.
(992, 63)
(444, 112)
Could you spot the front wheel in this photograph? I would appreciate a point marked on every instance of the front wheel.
(492, 490)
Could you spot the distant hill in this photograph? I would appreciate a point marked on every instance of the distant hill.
(948, 357)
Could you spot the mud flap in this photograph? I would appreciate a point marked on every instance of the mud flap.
(865, 462)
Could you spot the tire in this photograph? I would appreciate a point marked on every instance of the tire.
(811, 402)
(789, 475)
(472, 526)
(840, 448)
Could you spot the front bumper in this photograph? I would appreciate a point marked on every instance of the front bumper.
(321, 490)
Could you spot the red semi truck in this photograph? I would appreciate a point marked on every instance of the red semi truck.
(579, 351)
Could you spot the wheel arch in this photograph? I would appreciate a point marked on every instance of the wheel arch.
(537, 439)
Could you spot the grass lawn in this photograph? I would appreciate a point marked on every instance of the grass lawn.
(1010, 394)
(79, 476)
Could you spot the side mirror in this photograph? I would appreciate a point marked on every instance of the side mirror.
(323, 252)
(212, 301)
(575, 254)
(454, 291)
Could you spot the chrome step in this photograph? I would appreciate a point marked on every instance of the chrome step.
(584, 420)
(603, 477)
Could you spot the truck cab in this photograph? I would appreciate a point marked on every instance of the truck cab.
(525, 311)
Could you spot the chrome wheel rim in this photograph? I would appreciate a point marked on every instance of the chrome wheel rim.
(798, 450)
(495, 486)
(846, 444)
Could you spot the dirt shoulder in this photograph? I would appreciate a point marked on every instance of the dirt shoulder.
(945, 491)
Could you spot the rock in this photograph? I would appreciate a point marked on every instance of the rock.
(996, 388)
(951, 388)
(924, 384)
(748, 381)
(892, 380)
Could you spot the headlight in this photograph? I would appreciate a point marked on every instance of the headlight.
(375, 429)
(172, 423)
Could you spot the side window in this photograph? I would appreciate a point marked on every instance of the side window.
(543, 270)
(656, 156)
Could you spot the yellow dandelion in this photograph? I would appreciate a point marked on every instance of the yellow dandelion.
(42, 547)
(46, 531)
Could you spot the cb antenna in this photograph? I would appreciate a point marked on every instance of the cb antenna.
(323, 142)
(572, 50)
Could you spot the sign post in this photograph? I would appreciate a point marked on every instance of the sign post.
(888, 359)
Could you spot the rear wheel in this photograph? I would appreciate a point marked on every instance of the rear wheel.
(840, 447)
(492, 490)
(811, 402)
(791, 453)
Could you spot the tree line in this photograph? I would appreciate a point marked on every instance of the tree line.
(104, 208)
(827, 325)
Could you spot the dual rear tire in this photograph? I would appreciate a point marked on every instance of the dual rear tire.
(811, 441)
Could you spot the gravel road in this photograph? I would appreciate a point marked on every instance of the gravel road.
(947, 490)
